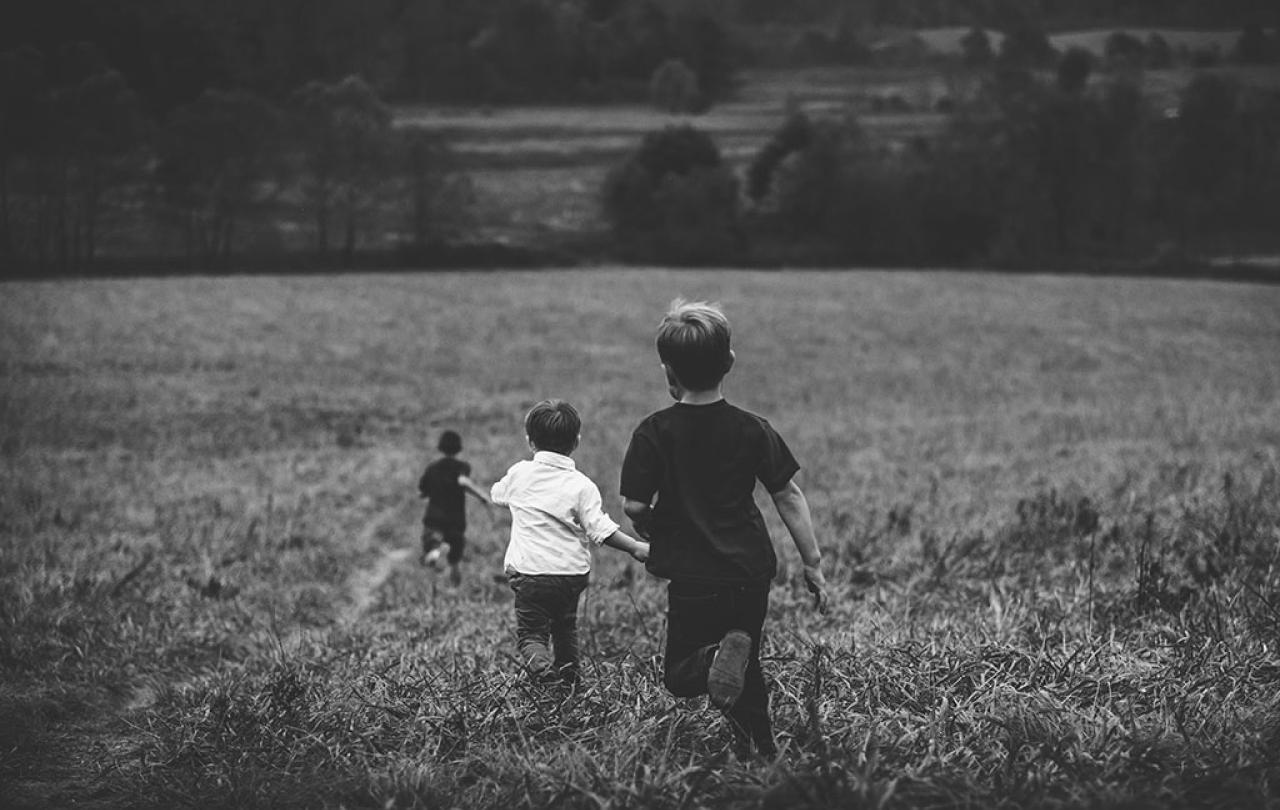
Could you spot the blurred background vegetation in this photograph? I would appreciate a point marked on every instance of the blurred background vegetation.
(216, 135)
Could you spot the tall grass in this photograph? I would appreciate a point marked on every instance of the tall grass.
(1050, 510)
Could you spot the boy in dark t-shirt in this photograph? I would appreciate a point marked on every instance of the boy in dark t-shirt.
(688, 480)
(445, 484)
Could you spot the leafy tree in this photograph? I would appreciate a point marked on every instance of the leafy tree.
(1254, 47)
(1124, 51)
(674, 197)
(24, 121)
(795, 134)
(219, 156)
(674, 88)
(1025, 42)
(98, 129)
(1074, 69)
(1159, 54)
(344, 131)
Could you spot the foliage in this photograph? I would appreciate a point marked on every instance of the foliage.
(64, 148)
(1073, 70)
(1027, 173)
(1255, 47)
(1025, 44)
(345, 135)
(1124, 50)
(1224, 170)
(795, 133)
(674, 88)
(674, 197)
(1159, 54)
(218, 158)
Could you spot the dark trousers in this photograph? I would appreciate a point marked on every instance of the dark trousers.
(547, 610)
(698, 616)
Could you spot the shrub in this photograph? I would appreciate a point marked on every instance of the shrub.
(674, 88)
(1074, 69)
(1124, 50)
(794, 134)
(1159, 54)
(1025, 43)
(1254, 47)
(674, 198)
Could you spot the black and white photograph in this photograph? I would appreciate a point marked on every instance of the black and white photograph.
(639, 404)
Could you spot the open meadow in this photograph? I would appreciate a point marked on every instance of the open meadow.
(1050, 509)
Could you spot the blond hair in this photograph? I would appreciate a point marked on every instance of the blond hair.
(693, 341)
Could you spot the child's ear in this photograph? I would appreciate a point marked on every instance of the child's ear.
(529, 439)
(728, 364)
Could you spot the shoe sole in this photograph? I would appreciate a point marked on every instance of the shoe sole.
(729, 670)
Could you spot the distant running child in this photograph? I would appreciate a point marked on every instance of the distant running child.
(700, 459)
(445, 484)
(556, 518)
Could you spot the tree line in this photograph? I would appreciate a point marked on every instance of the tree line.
(1035, 170)
(1055, 14)
(498, 51)
(474, 51)
(214, 178)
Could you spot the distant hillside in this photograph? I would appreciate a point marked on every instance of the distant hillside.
(947, 40)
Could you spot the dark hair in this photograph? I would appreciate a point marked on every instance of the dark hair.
(450, 443)
(554, 425)
(693, 341)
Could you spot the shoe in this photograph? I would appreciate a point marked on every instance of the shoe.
(432, 559)
(729, 670)
(539, 662)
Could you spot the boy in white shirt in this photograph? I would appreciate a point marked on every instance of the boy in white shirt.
(556, 517)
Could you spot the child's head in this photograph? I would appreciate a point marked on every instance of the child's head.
(450, 443)
(693, 342)
(553, 425)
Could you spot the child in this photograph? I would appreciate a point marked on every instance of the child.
(445, 484)
(556, 516)
(701, 458)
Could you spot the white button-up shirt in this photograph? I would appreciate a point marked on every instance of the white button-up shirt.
(556, 516)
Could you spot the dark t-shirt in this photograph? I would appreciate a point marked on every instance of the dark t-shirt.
(439, 483)
(703, 461)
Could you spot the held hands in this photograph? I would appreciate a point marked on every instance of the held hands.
(817, 585)
(641, 552)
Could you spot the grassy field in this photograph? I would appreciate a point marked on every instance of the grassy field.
(1050, 509)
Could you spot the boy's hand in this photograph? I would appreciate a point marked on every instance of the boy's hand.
(817, 585)
(641, 552)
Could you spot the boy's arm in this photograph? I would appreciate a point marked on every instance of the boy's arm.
(470, 486)
(793, 508)
(625, 542)
(639, 513)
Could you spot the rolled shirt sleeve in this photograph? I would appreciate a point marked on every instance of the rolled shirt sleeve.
(498, 493)
(595, 522)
